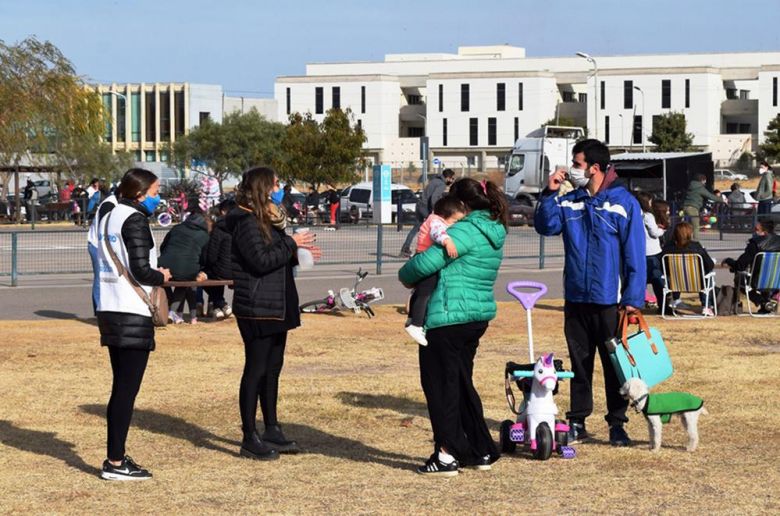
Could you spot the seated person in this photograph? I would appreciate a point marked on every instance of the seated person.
(682, 243)
(764, 239)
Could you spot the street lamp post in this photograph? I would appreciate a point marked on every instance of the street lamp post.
(425, 149)
(622, 131)
(642, 132)
(592, 61)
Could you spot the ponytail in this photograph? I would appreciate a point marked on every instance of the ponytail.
(482, 195)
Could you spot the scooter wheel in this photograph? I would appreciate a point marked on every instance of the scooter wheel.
(544, 442)
(507, 445)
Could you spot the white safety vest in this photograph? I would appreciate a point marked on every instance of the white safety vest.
(116, 293)
(92, 237)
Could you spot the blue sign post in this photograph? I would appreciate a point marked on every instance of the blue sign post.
(382, 206)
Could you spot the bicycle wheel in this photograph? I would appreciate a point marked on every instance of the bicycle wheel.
(316, 307)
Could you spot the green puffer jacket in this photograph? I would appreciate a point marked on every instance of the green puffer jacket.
(464, 293)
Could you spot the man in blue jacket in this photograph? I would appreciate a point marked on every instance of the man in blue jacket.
(604, 242)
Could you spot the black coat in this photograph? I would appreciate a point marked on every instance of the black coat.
(128, 330)
(259, 268)
(183, 246)
(757, 244)
(693, 247)
(217, 257)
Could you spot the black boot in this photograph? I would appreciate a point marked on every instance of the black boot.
(275, 439)
(252, 447)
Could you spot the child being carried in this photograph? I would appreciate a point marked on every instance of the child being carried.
(447, 211)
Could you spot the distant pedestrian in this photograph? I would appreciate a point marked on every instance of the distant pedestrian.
(433, 191)
(764, 193)
(695, 198)
(334, 202)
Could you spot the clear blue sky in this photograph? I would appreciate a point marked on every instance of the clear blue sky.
(244, 44)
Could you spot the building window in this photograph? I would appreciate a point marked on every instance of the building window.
(473, 132)
(737, 128)
(107, 109)
(666, 94)
(165, 116)
(774, 91)
(568, 96)
(637, 136)
(178, 112)
(360, 124)
(501, 96)
(464, 97)
(441, 98)
(519, 96)
(491, 131)
(149, 156)
(687, 93)
(121, 118)
(517, 129)
(203, 117)
(628, 94)
(731, 93)
(471, 161)
(415, 132)
(149, 113)
(137, 155)
(443, 130)
(362, 99)
(318, 100)
(135, 118)
(582, 98)
(603, 93)
(289, 94)
(336, 97)
(744, 95)
(415, 100)
(606, 128)
(164, 156)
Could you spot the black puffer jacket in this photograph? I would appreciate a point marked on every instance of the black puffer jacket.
(259, 267)
(128, 330)
(217, 257)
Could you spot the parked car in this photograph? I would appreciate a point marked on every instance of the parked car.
(520, 213)
(357, 201)
(722, 173)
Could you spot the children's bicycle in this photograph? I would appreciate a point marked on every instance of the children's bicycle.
(347, 299)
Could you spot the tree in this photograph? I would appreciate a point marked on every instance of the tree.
(226, 149)
(669, 133)
(322, 153)
(771, 146)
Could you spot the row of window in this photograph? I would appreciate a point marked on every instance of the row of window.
(492, 131)
(149, 107)
(628, 94)
(319, 99)
(465, 97)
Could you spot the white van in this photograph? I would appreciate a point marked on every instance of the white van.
(358, 199)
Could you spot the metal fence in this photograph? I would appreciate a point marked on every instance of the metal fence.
(24, 253)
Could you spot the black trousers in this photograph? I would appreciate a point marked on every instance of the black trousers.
(264, 358)
(587, 326)
(216, 295)
(179, 295)
(418, 305)
(454, 406)
(128, 366)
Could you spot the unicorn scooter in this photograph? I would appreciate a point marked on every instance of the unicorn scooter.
(539, 382)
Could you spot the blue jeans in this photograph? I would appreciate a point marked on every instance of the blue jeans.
(93, 256)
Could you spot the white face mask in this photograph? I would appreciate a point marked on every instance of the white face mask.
(577, 177)
(762, 170)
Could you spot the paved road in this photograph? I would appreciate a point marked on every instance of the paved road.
(68, 296)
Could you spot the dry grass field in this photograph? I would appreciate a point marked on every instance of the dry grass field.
(351, 396)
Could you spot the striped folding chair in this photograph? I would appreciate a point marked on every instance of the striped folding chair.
(684, 273)
(763, 275)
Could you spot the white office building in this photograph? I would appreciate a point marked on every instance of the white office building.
(474, 104)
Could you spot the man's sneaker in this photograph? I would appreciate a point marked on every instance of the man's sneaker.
(481, 464)
(577, 432)
(618, 436)
(433, 467)
(218, 313)
(128, 470)
(417, 333)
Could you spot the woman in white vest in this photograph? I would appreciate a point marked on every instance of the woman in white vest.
(92, 245)
(123, 318)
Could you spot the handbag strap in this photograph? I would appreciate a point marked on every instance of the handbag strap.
(125, 274)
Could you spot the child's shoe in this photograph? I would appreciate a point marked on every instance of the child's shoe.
(418, 334)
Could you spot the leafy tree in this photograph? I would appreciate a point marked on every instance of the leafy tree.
(771, 146)
(322, 153)
(241, 141)
(669, 133)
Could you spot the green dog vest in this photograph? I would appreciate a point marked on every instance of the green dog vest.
(668, 403)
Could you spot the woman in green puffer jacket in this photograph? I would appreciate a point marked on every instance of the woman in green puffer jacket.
(458, 315)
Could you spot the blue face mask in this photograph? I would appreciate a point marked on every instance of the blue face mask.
(150, 203)
(277, 196)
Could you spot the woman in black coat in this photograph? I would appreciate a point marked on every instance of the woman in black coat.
(265, 303)
(682, 243)
(124, 320)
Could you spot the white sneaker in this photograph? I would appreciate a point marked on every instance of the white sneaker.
(674, 303)
(227, 310)
(708, 312)
(418, 334)
(175, 318)
(218, 313)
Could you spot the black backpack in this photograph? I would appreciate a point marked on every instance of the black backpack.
(726, 300)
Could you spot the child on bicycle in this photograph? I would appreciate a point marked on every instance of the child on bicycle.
(447, 211)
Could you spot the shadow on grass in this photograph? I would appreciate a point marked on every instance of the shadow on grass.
(544, 306)
(43, 443)
(312, 440)
(65, 316)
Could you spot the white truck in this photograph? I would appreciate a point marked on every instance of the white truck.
(534, 157)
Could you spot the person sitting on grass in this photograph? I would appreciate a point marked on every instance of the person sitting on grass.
(447, 211)
(683, 243)
(181, 252)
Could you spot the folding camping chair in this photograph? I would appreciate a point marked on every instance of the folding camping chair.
(764, 274)
(684, 273)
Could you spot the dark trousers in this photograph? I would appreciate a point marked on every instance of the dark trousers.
(655, 276)
(407, 247)
(216, 295)
(765, 207)
(454, 406)
(418, 305)
(587, 326)
(264, 358)
(179, 295)
(128, 366)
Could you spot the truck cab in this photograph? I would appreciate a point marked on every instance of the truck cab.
(534, 157)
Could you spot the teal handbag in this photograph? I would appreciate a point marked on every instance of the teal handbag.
(641, 355)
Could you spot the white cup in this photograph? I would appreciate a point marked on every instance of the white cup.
(305, 258)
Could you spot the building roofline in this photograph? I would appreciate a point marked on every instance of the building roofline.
(491, 75)
(340, 78)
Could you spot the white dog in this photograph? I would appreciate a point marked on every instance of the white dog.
(659, 408)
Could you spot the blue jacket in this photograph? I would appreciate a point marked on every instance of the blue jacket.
(604, 244)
